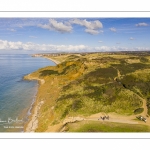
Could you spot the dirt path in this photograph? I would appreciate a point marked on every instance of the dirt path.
(118, 74)
(113, 117)
(144, 113)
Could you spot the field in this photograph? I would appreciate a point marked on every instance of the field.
(84, 84)
(93, 126)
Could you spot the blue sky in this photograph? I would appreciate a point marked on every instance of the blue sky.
(36, 35)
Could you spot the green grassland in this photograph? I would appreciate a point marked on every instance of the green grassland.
(85, 84)
(92, 126)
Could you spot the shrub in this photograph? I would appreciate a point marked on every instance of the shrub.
(138, 111)
(77, 104)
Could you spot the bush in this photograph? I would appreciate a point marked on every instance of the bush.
(138, 111)
(77, 104)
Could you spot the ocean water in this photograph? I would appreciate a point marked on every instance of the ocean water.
(16, 94)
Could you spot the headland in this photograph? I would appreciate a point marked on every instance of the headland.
(91, 92)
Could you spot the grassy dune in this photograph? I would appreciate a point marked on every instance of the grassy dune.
(85, 84)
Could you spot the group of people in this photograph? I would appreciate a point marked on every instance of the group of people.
(104, 117)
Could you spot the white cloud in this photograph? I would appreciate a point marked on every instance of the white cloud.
(102, 48)
(131, 38)
(113, 29)
(141, 24)
(12, 30)
(33, 36)
(91, 31)
(100, 41)
(109, 49)
(118, 48)
(8, 45)
(88, 24)
(92, 27)
(28, 22)
(142, 48)
(57, 26)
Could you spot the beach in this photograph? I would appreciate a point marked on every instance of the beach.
(55, 61)
(32, 123)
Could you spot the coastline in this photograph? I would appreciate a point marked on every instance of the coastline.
(38, 120)
(55, 61)
(32, 123)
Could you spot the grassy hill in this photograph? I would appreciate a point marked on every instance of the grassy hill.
(86, 84)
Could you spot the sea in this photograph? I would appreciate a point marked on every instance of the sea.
(17, 95)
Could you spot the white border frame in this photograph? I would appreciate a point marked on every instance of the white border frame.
(74, 14)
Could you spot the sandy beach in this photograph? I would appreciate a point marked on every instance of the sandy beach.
(32, 123)
(55, 61)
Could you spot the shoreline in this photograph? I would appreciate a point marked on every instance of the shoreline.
(55, 61)
(32, 124)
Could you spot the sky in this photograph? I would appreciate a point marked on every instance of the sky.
(44, 35)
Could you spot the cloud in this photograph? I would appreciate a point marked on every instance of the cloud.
(29, 46)
(118, 48)
(8, 45)
(131, 38)
(141, 49)
(113, 29)
(103, 48)
(118, 43)
(57, 26)
(12, 30)
(33, 36)
(100, 41)
(91, 31)
(88, 24)
(27, 22)
(141, 24)
(92, 27)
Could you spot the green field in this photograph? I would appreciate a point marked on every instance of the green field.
(92, 126)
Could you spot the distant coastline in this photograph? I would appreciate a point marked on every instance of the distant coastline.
(55, 61)
(44, 56)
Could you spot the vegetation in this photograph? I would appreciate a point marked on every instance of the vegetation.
(92, 126)
(85, 84)
(138, 111)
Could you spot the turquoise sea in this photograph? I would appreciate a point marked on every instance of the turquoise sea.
(16, 94)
